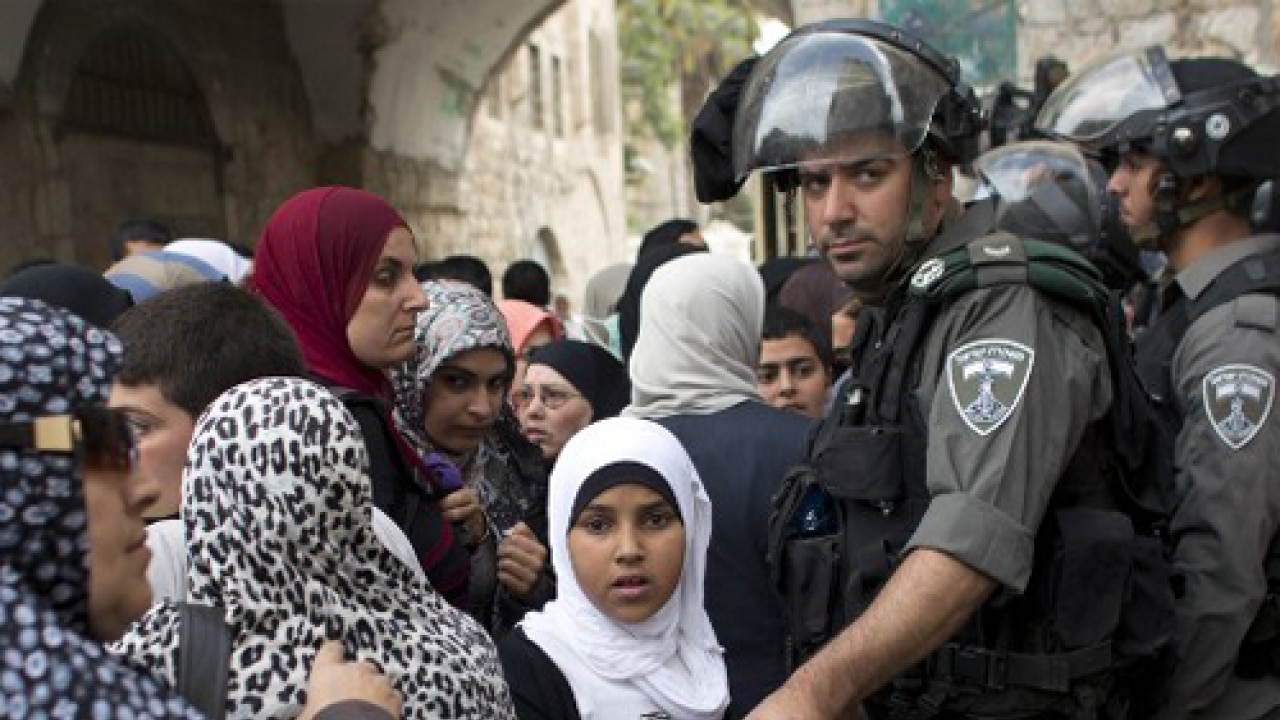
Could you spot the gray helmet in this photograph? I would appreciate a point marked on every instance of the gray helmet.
(1052, 192)
(1201, 116)
(832, 80)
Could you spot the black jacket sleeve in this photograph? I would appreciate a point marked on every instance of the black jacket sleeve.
(353, 710)
(538, 689)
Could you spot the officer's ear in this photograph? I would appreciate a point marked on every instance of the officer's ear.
(1203, 187)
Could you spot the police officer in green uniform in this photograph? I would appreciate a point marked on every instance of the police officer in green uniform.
(1191, 140)
(865, 123)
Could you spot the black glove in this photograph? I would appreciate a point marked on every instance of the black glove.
(711, 143)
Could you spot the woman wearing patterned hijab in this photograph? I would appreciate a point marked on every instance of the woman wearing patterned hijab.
(451, 406)
(277, 504)
(57, 499)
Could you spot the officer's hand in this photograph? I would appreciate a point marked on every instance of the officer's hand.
(333, 680)
(520, 561)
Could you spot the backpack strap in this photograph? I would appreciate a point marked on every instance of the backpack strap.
(204, 658)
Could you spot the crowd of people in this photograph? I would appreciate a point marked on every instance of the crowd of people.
(967, 461)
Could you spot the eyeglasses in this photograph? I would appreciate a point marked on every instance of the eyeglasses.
(101, 438)
(552, 397)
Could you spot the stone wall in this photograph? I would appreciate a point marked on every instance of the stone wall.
(553, 190)
(1082, 30)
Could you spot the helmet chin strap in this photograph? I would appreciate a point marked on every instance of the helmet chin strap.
(924, 172)
(1172, 216)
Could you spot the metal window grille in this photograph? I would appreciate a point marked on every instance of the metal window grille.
(130, 85)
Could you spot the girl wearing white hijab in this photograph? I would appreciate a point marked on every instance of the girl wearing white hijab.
(693, 372)
(627, 637)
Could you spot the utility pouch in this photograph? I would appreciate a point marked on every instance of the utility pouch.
(1094, 558)
(863, 464)
(1260, 651)
(805, 570)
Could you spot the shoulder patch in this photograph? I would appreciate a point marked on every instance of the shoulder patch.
(928, 273)
(987, 379)
(1237, 400)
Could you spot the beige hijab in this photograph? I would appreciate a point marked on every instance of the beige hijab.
(699, 341)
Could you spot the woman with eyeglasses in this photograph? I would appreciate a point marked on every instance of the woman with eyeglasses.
(451, 405)
(73, 551)
(569, 385)
(531, 327)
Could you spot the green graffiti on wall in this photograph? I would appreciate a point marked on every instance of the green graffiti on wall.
(982, 34)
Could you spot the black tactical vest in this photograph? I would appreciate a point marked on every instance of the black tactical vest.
(1062, 646)
(1156, 346)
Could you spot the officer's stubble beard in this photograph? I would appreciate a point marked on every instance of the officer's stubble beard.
(927, 181)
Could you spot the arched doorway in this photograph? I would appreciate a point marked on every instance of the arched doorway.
(546, 252)
(136, 139)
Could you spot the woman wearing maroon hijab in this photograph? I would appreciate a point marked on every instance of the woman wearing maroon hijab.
(337, 263)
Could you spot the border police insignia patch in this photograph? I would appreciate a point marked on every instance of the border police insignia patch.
(928, 273)
(1237, 400)
(987, 379)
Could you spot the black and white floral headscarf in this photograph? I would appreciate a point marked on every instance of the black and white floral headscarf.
(277, 505)
(460, 318)
(505, 470)
(52, 362)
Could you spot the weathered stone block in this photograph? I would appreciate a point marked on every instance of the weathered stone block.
(1045, 11)
(1237, 27)
(1153, 30)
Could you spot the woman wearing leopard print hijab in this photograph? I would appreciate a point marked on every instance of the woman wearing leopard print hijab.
(277, 505)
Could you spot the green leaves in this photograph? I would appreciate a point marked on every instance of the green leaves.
(673, 53)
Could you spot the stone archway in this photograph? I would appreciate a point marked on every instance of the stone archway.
(136, 139)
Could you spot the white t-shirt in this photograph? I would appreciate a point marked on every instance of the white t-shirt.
(167, 572)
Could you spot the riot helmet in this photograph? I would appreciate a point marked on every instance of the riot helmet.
(1050, 191)
(833, 80)
(1200, 116)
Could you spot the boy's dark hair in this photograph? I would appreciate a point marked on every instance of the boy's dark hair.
(465, 268)
(782, 322)
(528, 281)
(198, 341)
(138, 229)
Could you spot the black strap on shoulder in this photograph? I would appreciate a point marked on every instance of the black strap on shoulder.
(1259, 274)
(204, 658)
(1157, 343)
